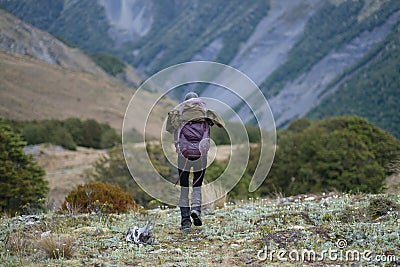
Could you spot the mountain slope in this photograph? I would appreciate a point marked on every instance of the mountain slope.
(299, 57)
(298, 52)
(318, 58)
(171, 31)
(32, 90)
(372, 92)
(79, 22)
(42, 78)
(18, 37)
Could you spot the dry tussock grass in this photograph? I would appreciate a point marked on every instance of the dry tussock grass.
(57, 247)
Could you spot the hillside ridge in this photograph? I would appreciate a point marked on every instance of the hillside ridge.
(18, 37)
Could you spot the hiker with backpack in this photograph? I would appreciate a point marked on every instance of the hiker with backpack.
(190, 123)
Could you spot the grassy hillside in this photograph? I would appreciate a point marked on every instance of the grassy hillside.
(356, 229)
(373, 92)
(33, 90)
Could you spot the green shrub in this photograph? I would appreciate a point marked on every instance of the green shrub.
(346, 153)
(109, 137)
(34, 134)
(99, 197)
(91, 131)
(219, 136)
(63, 138)
(159, 160)
(75, 127)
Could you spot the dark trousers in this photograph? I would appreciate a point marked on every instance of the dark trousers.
(199, 169)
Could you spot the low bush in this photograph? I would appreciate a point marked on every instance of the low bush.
(99, 197)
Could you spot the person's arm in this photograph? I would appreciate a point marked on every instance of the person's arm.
(215, 118)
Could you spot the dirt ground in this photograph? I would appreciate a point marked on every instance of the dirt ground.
(64, 168)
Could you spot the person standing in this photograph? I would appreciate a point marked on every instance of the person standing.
(190, 123)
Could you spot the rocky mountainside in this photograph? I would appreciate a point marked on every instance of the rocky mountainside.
(300, 53)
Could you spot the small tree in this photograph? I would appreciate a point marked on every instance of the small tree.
(91, 133)
(21, 179)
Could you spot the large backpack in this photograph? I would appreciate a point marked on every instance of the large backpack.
(194, 131)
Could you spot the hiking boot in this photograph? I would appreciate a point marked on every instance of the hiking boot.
(186, 224)
(195, 214)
